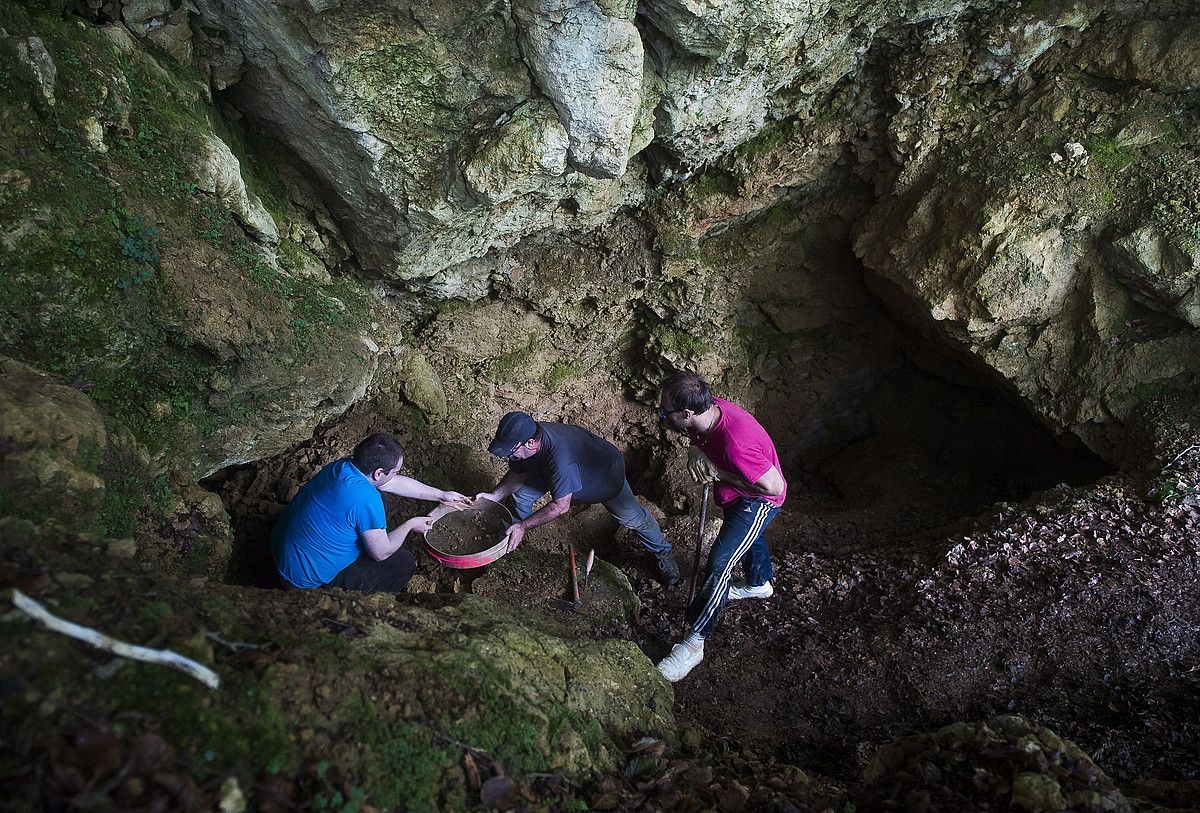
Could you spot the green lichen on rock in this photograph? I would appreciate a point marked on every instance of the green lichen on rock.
(382, 708)
(418, 88)
(122, 276)
(520, 156)
(1004, 760)
(68, 467)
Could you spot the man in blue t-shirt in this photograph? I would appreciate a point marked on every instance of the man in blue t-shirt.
(574, 466)
(334, 531)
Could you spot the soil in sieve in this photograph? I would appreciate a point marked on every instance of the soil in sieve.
(469, 531)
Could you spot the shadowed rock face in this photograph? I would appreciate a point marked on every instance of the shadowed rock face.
(1034, 230)
(440, 139)
(447, 147)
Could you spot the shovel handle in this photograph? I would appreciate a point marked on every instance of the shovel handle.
(704, 495)
(574, 576)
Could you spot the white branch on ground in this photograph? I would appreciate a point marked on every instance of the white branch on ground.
(163, 657)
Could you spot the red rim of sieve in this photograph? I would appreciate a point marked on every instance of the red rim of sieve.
(466, 561)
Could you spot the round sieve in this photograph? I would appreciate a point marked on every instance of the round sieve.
(468, 537)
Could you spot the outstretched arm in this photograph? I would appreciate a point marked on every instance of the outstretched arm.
(547, 513)
(381, 544)
(403, 486)
(511, 482)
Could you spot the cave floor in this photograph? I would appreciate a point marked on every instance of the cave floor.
(904, 612)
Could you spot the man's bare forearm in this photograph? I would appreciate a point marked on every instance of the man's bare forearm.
(547, 513)
(381, 544)
(510, 483)
(403, 486)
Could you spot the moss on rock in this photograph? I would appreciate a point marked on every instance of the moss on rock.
(343, 693)
(126, 280)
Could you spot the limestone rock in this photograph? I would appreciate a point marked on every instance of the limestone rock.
(723, 64)
(587, 58)
(93, 134)
(729, 69)
(218, 172)
(1011, 262)
(520, 155)
(1159, 52)
(293, 395)
(423, 388)
(1165, 271)
(32, 52)
(52, 438)
(1037, 793)
(162, 22)
(1023, 297)
(221, 60)
(1009, 49)
(382, 102)
(469, 280)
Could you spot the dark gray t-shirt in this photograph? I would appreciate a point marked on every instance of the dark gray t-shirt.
(574, 461)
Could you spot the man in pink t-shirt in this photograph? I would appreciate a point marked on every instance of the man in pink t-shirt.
(730, 447)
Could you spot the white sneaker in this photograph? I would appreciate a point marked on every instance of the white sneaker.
(683, 659)
(740, 590)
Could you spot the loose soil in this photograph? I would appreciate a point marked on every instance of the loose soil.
(472, 530)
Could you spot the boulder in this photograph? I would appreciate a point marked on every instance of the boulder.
(1002, 763)
(1164, 53)
(32, 53)
(520, 155)
(162, 22)
(218, 172)
(587, 58)
(423, 388)
(53, 438)
(1163, 270)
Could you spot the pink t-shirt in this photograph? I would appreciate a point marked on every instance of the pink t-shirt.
(738, 443)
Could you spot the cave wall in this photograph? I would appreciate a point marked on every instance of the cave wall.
(424, 215)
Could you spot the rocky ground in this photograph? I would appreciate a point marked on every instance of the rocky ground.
(922, 605)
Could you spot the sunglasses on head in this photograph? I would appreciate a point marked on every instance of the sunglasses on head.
(664, 414)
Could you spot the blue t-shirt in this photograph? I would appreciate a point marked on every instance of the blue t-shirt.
(317, 535)
(574, 461)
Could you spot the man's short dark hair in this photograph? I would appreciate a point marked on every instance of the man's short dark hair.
(378, 451)
(688, 391)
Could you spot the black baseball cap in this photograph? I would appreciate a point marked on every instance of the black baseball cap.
(515, 428)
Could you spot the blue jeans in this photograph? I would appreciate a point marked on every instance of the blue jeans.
(741, 540)
(624, 507)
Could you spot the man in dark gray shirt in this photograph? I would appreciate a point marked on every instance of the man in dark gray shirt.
(574, 466)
